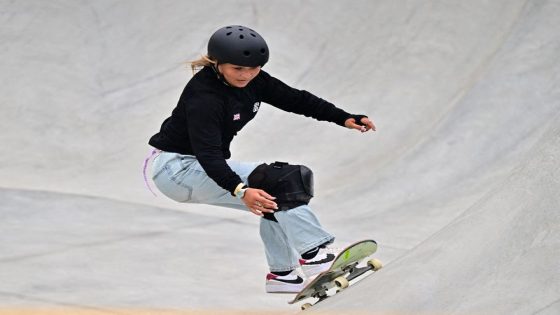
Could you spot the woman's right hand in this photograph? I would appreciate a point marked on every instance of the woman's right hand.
(259, 202)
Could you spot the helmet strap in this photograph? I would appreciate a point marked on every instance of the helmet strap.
(219, 74)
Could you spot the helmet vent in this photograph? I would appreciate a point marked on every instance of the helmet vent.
(263, 51)
(241, 36)
(228, 33)
(253, 35)
(246, 53)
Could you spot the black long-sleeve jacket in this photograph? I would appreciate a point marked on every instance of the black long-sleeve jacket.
(210, 113)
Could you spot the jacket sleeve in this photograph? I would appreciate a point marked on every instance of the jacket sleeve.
(282, 96)
(205, 119)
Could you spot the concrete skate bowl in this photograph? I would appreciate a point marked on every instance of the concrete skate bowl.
(459, 185)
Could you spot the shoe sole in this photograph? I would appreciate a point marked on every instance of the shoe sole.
(280, 287)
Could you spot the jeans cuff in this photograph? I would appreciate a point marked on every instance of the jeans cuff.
(327, 239)
(283, 269)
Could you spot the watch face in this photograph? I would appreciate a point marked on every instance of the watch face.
(241, 193)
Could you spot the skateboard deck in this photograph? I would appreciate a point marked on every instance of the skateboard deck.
(343, 270)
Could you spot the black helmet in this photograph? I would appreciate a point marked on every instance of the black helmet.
(238, 45)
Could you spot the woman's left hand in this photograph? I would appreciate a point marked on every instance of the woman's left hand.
(366, 124)
(259, 201)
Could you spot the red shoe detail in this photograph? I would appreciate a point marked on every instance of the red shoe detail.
(302, 261)
(271, 276)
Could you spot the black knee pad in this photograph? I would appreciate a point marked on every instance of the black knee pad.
(292, 185)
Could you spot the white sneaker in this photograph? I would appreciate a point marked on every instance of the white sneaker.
(321, 262)
(291, 283)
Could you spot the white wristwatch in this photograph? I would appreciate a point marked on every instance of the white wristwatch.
(241, 192)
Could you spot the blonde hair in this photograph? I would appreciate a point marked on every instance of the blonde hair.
(203, 61)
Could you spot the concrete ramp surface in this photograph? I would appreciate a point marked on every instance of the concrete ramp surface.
(459, 186)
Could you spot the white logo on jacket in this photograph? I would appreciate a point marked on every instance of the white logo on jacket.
(256, 107)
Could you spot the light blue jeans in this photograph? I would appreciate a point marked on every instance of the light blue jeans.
(182, 178)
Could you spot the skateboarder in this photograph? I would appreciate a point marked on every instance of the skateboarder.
(193, 149)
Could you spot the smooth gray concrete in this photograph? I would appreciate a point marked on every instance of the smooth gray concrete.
(459, 185)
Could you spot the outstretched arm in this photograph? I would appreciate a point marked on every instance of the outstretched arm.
(280, 95)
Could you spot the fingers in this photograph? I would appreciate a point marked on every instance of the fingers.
(260, 209)
(364, 125)
(354, 125)
(259, 202)
(265, 201)
(256, 212)
(367, 124)
(265, 195)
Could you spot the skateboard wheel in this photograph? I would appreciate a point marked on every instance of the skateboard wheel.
(305, 306)
(375, 264)
(341, 282)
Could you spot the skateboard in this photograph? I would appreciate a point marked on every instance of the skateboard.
(343, 270)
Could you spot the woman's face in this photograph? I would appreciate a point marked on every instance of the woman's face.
(238, 76)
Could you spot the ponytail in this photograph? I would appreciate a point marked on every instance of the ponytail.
(203, 61)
